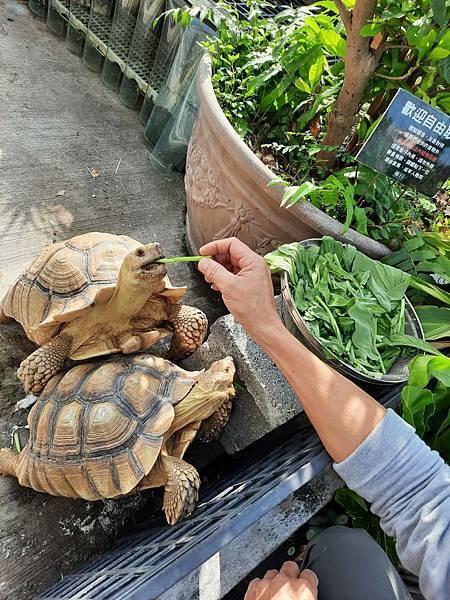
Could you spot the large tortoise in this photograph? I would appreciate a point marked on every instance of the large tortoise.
(105, 430)
(97, 294)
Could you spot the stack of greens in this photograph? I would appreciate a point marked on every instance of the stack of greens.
(353, 305)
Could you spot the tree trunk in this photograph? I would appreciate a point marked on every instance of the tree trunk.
(360, 64)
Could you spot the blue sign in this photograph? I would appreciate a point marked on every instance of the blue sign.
(410, 144)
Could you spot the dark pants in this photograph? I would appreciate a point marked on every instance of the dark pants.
(350, 565)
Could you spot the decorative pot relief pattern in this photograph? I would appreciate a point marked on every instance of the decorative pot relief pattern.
(208, 203)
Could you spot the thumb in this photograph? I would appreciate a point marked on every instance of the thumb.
(215, 273)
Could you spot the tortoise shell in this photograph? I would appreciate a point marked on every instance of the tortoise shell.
(97, 430)
(65, 280)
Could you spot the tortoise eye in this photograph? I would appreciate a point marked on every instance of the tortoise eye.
(140, 252)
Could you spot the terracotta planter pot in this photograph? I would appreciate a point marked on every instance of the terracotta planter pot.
(227, 193)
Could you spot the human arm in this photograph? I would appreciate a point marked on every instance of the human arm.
(342, 414)
(377, 453)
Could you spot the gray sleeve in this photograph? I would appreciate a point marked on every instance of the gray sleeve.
(409, 488)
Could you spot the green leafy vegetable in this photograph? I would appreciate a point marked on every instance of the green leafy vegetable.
(435, 321)
(353, 305)
(400, 339)
(430, 289)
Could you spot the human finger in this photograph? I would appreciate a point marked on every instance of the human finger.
(290, 569)
(271, 574)
(238, 252)
(309, 576)
(215, 273)
(251, 593)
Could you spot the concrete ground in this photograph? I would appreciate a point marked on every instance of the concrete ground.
(57, 121)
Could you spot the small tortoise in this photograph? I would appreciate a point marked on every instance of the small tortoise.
(97, 294)
(105, 430)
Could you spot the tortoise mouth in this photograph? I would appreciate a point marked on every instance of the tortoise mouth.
(151, 266)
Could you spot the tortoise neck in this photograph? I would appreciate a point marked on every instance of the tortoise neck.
(128, 300)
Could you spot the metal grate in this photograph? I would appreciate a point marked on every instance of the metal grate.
(80, 14)
(146, 565)
(143, 51)
(120, 39)
(99, 29)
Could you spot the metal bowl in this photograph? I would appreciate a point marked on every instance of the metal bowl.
(399, 372)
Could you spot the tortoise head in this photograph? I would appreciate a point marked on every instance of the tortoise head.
(139, 269)
(219, 377)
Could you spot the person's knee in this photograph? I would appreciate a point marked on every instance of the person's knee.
(339, 537)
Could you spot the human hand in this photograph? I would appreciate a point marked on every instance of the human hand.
(243, 279)
(287, 584)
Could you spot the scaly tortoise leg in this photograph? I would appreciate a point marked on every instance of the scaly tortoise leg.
(212, 427)
(181, 489)
(8, 462)
(38, 368)
(181, 481)
(190, 325)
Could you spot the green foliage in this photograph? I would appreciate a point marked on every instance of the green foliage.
(277, 80)
(426, 401)
(353, 305)
(435, 321)
(427, 258)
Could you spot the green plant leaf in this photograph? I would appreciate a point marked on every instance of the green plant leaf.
(438, 53)
(444, 42)
(333, 42)
(439, 8)
(435, 321)
(425, 43)
(361, 219)
(296, 193)
(414, 404)
(371, 29)
(285, 258)
(423, 367)
(256, 82)
(351, 501)
(316, 70)
(439, 367)
(302, 85)
(401, 339)
(443, 101)
(430, 289)
(443, 68)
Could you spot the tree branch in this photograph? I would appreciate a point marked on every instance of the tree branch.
(399, 78)
(346, 15)
(390, 46)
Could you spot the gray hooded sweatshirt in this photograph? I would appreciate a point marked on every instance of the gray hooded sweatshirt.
(409, 487)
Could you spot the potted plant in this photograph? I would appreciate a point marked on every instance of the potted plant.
(288, 101)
